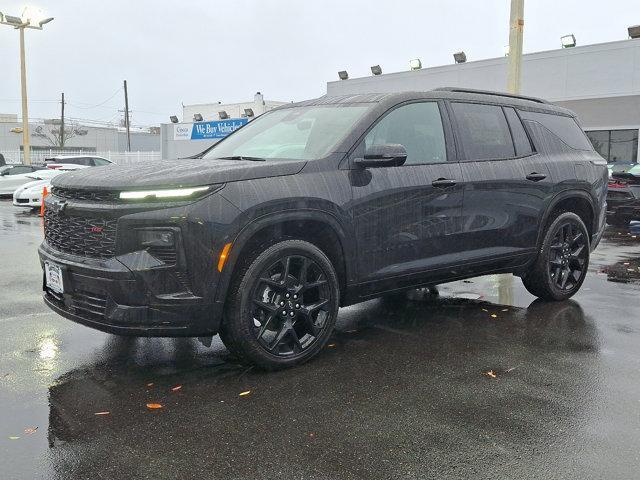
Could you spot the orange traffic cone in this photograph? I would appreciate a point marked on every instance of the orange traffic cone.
(45, 192)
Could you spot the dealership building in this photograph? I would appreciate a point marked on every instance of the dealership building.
(204, 124)
(601, 83)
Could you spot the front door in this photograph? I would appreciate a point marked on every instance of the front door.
(406, 217)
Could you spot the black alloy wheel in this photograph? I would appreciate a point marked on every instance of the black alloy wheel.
(568, 255)
(562, 261)
(291, 305)
(282, 305)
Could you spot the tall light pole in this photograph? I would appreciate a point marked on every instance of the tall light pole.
(514, 61)
(34, 19)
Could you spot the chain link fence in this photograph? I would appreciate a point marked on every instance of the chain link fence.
(121, 158)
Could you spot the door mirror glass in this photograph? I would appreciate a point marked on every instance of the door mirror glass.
(388, 155)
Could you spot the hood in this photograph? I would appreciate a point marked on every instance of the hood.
(36, 183)
(175, 173)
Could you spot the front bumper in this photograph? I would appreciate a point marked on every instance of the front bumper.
(121, 297)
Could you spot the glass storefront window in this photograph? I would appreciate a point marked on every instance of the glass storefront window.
(616, 146)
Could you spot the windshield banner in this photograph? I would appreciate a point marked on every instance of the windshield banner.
(207, 130)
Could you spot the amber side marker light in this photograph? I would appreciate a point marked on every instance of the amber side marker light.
(223, 256)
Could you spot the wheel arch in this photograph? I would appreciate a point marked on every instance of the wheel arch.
(576, 201)
(329, 235)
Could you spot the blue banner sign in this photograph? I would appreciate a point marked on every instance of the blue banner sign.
(207, 130)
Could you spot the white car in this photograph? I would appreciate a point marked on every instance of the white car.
(64, 161)
(29, 195)
(13, 176)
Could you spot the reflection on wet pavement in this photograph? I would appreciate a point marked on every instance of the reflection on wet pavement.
(401, 391)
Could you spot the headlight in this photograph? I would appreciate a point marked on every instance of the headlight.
(175, 193)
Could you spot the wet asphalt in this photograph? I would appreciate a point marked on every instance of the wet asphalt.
(482, 381)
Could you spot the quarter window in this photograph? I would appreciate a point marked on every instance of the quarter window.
(563, 127)
(520, 138)
(484, 132)
(416, 126)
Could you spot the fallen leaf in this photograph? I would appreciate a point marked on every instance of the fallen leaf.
(504, 310)
(149, 384)
(176, 388)
(245, 393)
(331, 345)
(312, 434)
(493, 315)
(485, 310)
(30, 430)
(102, 413)
(154, 406)
(14, 438)
(510, 369)
(490, 373)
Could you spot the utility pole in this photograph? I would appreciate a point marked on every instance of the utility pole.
(26, 148)
(62, 124)
(514, 61)
(126, 116)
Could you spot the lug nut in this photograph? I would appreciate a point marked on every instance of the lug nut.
(295, 297)
(297, 305)
(282, 304)
(291, 314)
(287, 296)
(284, 312)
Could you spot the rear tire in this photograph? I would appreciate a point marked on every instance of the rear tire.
(282, 305)
(618, 221)
(563, 259)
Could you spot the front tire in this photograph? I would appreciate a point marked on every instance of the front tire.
(282, 305)
(563, 259)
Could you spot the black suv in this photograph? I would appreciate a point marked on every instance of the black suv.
(322, 204)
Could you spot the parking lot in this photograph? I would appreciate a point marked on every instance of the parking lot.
(478, 382)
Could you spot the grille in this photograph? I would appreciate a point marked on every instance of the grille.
(83, 236)
(85, 195)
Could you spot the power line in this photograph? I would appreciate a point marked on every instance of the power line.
(89, 106)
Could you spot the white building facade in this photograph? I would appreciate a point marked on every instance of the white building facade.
(601, 83)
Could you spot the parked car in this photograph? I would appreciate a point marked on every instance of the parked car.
(623, 197)
(322, 204)
(12, 176)
(61, 161)
(30, 194)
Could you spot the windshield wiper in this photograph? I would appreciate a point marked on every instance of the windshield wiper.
(240, 157)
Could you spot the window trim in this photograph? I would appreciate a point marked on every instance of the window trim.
(449, 141)
(456, 130)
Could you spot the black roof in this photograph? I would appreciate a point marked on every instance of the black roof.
(453, 93)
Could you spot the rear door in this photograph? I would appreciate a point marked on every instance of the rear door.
(407, 216)
(506, 182)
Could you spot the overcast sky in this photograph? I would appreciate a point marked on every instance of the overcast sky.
(174, 52)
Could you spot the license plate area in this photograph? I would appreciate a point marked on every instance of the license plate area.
(53, 277)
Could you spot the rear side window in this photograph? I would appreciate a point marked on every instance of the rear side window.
(484, 132)
(520, 138)
(99, 162)
(564, 128)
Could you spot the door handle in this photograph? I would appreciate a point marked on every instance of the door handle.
(536, 177)
(443, 183)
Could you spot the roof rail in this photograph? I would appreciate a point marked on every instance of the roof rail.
(489, 92)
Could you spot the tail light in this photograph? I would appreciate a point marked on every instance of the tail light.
(617, 184)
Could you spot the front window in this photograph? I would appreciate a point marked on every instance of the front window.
(303, 133)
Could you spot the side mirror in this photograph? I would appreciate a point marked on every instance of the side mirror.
(390, 155)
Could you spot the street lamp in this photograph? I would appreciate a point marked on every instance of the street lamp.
(31, 18)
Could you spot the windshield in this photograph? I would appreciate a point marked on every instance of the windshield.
(304, 133)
